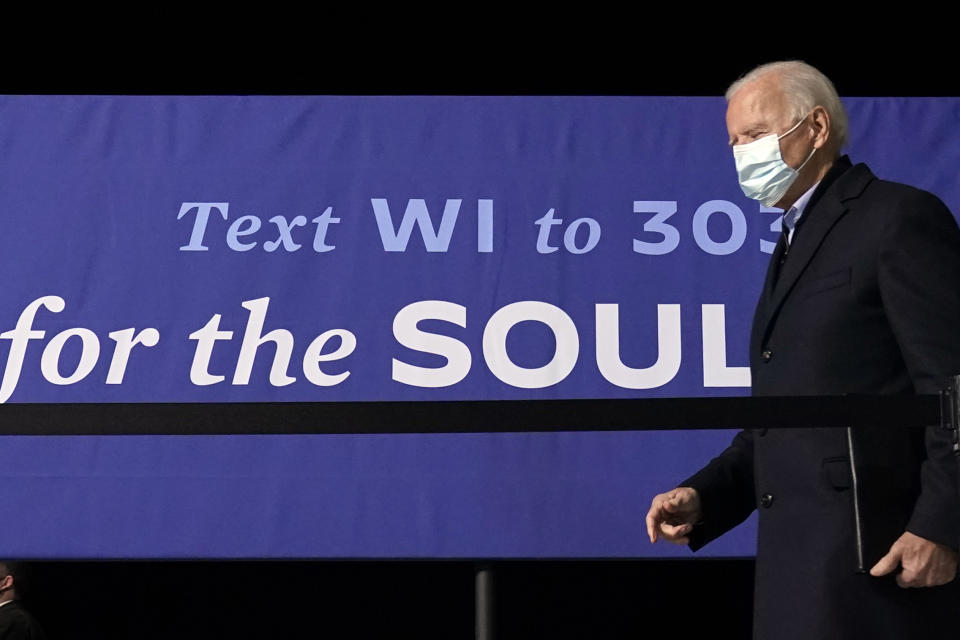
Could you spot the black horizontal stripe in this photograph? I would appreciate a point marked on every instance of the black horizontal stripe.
(473, 416)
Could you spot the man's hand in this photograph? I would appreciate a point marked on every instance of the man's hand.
(925, 563)
(673, 514)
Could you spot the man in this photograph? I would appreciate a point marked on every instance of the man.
(15, 622)
(857, 531)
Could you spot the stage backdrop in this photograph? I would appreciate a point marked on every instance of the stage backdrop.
(198, 249)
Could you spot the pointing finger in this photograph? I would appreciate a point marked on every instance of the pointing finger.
(651, 527)
(887, 564)
(654, 517)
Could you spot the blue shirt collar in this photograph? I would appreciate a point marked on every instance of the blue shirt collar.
(797, 209)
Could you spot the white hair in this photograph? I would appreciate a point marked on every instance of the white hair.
(805, 88)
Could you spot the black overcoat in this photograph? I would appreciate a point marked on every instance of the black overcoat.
(17, 624)
(866, 300)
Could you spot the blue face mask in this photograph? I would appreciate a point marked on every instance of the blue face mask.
(763, 174)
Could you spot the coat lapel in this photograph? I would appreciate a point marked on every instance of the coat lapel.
(762, 313)
(773, 270)
(827, 206)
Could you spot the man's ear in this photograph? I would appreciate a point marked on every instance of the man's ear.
(821, 127)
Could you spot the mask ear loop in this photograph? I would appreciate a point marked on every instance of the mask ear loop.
(812, 151)
(791, 129)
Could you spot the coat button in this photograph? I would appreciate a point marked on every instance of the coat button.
(766, 355)
(766, 500)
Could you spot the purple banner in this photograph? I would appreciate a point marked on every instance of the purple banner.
(236, 249)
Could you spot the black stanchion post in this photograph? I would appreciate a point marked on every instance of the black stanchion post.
(955, 414)
(950, 411)
(484, 603)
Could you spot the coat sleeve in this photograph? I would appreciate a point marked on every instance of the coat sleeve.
(725, 487)
(919, 280)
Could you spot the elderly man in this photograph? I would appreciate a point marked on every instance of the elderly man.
(858, 531)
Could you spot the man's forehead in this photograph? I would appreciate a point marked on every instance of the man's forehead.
(760, 101)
